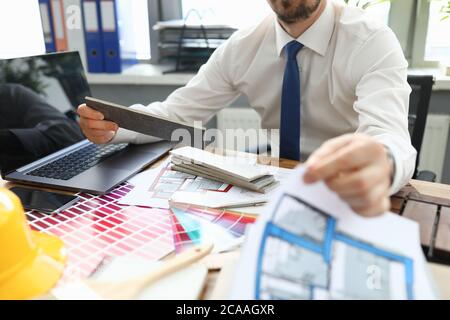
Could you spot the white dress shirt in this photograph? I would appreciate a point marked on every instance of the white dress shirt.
(353, 79)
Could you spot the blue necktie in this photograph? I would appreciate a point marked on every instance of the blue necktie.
(290, 104)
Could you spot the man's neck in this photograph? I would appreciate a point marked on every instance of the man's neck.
(296, 29)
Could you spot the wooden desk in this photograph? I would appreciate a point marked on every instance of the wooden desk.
(218, 281)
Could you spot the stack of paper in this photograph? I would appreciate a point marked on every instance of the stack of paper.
(225, 169)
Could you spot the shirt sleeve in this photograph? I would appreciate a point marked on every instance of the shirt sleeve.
(208, 92)
(379, 72)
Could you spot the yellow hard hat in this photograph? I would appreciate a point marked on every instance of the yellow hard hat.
(31, 262)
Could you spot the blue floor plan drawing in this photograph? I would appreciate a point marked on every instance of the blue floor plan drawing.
(304, 255)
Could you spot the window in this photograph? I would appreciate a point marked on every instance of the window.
(380, 11)
(237, 13)
(242, 13)
(21, 29)
(377, 9)
(438, 37)
(141, 29)
(134, 28)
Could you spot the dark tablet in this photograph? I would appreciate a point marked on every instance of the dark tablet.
(148, 124)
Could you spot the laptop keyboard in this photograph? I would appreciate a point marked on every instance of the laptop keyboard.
(77, 162)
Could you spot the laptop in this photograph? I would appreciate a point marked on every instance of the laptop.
(81, 166)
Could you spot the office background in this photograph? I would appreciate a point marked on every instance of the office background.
(422, 27)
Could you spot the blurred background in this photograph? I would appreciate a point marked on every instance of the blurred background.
(139, 51)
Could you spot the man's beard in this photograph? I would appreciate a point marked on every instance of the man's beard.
(287, 13)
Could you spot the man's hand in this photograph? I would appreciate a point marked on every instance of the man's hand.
(357, 168)
(94, 127)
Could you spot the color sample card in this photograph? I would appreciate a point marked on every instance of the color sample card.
(233, 221)
(96, 228)
(181, 238)
(196, 225)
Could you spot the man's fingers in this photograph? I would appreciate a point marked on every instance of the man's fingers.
(355, 183)
(85, 112)
(329, 147)
(100, 125)
(100, 136)
(383, 206)
(371, 202)
(107, 137)
(100, 133)
(94, 127)
(357, 169)
(352, 156)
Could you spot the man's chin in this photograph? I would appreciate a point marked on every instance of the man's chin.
(300, 13)
(289, 20)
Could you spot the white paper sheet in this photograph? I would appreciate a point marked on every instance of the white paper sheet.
(145, 178)
(309, 244)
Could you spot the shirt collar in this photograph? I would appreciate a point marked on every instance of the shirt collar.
(316, 37)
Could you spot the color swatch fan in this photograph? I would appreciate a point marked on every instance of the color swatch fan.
(197, 225)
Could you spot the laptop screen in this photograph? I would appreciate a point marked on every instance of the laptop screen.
(38, 100)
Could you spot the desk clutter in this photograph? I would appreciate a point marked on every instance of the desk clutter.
(159, 186)
(164, 211)
(99, 229)
(433, 216)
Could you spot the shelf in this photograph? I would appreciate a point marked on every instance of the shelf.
(148, 74)
(141, 74)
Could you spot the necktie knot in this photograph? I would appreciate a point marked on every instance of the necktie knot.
(292, 48)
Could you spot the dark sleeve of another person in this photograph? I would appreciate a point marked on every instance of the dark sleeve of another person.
(40, 128)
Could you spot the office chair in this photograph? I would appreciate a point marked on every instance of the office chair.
(418, 112)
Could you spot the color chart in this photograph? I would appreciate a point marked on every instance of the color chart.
(96, 228)
(187, 230)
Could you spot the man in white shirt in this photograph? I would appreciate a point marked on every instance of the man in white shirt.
(330, 78)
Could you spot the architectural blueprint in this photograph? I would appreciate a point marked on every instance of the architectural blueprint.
(310, 245)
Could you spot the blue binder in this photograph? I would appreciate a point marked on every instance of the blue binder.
(47, 25)
(93, 35)
(110, 34)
